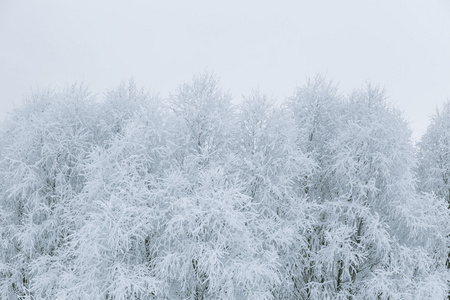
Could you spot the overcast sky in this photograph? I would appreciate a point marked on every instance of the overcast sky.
(403, 46)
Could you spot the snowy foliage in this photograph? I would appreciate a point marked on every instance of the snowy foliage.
(134, 197)
(434, 155)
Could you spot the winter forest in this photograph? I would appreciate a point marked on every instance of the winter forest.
(128, 196)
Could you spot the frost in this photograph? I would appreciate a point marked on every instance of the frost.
(134, 197)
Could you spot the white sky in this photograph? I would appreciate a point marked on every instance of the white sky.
(402, 45)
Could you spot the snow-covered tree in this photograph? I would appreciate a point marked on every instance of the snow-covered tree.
(316, 110)
(111, 251)
(43, 147)
(387, 220)
(210, 247)
(434, 155)
(191, 198)
(205, 119)
(368, 221)
(274, 170)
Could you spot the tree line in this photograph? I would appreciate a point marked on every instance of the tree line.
(323, 196)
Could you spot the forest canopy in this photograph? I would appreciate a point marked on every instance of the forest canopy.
(320, 196)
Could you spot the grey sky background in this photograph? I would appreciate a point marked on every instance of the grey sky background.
(402, 45)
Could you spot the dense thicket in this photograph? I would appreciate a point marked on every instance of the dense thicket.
(134, 197)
